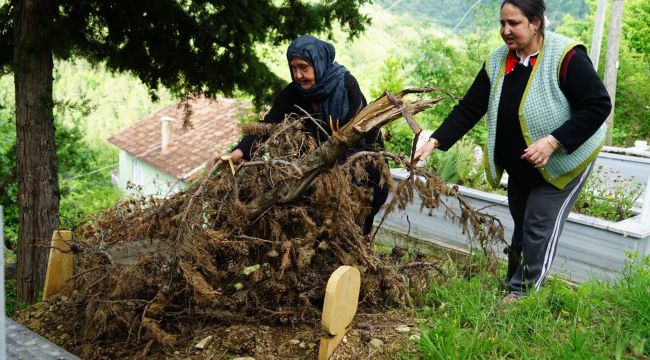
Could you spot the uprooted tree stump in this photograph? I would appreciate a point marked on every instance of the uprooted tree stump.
(257, 245)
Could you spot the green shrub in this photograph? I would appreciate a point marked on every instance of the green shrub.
(607, 196)
(460, 165)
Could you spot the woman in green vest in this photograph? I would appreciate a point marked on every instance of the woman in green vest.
(545, 108)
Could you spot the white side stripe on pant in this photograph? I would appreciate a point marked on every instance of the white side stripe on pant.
(551, 246)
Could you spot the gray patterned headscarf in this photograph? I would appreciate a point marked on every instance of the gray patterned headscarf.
(329, 91)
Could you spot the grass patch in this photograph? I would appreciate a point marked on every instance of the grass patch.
(11, 306)
(462, 319)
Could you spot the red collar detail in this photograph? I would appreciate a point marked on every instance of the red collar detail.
(512, 60)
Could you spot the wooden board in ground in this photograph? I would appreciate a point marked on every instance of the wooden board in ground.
(59, 264)
(341, 299)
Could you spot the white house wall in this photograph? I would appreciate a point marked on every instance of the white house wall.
(154, 181)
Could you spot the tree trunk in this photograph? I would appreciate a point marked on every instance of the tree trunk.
(36, 163)
(611, 61)
(597, 36)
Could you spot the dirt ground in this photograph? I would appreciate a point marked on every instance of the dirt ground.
(375, 333)
(383, 335)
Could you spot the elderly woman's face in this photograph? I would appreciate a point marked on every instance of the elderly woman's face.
(302, 72)
(516, 31)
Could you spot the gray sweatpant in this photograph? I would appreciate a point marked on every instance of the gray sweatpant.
(539, 212)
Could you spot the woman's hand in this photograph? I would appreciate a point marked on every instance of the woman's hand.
(426, 150)
(538, 153)
(236, 156)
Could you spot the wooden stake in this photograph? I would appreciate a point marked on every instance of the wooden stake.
(611, 61)
(341, 299)
(59, 265)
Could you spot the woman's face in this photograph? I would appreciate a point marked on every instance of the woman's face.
(303, 73)
(516, 31)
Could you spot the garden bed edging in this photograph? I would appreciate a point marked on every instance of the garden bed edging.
(588, 248)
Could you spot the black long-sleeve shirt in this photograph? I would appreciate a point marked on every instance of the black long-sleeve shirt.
(287, 100)
(586, 94)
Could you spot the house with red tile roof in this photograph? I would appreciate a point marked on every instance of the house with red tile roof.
(159, 156)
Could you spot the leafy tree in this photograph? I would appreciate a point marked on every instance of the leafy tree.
(637, 26)
(450, 64)
(632, 112)
(187, 46)
(83, 190)
(447, 64)
(391, 77)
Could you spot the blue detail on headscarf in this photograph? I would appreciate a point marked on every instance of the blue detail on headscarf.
(329, 90)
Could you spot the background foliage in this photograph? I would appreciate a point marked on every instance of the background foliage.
(449, 12)
(83, 191)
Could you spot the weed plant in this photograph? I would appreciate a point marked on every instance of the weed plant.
(461, 164)
(607, 195)
(11, 305)
(462, 319)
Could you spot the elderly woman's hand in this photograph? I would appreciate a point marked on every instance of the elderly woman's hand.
(236, 156)
(540, 151)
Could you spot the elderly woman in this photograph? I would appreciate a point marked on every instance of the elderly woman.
(327, 91)
(545, 109)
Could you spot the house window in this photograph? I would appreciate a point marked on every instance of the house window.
(137, 172)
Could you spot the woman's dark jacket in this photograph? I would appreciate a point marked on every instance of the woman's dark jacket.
(580, 84)
(286, 102)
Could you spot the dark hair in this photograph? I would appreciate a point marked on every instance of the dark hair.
(533, 9)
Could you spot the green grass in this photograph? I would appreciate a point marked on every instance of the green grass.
(462, 319)
(11, 306)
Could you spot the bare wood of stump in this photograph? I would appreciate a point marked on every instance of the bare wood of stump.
(378, 113)
(409, 119)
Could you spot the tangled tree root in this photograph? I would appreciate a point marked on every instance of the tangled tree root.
(255, 246)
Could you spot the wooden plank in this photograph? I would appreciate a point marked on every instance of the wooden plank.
(59, 264)
(341, 300)
(329, 343)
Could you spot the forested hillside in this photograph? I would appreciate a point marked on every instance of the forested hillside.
(449, 12)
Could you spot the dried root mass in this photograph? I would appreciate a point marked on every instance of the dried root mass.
(255, 246)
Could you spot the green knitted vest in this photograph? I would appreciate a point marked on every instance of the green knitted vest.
(543, 109)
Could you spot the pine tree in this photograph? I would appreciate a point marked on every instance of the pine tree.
(189, 46)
